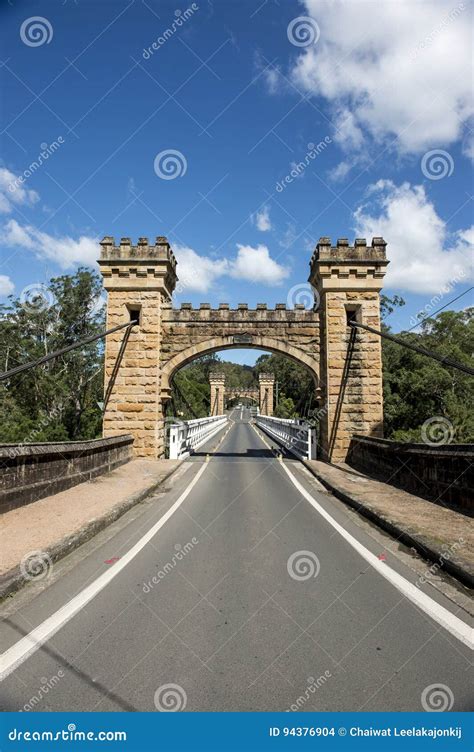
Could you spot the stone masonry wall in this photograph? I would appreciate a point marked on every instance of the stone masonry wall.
(134, 405)
(188, 332)
(354, 388)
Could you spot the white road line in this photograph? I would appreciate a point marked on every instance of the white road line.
(449, 621)
(14, 656)
(441, 615)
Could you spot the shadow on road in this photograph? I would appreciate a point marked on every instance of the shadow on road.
(58, 658)
(249, 454)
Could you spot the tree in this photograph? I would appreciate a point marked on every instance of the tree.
(417, 388)
(58, 400)
(294, 381)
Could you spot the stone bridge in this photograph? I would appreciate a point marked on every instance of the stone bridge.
(139, 366)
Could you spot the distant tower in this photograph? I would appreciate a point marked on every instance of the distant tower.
(266, 382)
(217, 382)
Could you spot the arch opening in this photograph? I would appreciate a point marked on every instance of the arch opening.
(294, 392)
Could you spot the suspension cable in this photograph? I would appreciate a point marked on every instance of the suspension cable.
(46, 358)
(416, 348)
(191, 409)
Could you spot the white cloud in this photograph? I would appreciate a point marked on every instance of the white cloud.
(64, 251)
(262, 219)
(391, 69)
(340, 171)
(256, 265)
(424, 257)
(6, 285)
(12, 192)
(197, 273)
(468, 146)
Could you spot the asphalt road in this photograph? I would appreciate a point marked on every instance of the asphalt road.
(257, 603)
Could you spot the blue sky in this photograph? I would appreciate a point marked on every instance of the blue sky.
(373, 98)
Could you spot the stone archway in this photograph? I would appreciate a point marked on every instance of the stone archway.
(140, 281)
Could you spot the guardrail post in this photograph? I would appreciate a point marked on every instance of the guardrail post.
(174, 444)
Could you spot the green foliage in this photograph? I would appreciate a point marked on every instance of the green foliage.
(388, 305)
(417, 388)
(285, 408)
(56, 401)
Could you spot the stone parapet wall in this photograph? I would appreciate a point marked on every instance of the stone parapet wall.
(29, 472)
(441, 474)
(242, 313)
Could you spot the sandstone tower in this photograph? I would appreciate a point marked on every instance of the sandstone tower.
(140, 281)
(348, 279)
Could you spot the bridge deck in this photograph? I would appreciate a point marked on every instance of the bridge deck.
(248, 596)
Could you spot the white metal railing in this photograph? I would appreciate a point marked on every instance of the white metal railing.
(191, 434)
(294, 434)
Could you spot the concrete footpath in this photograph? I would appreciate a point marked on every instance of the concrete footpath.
(37, 534)
(440, 535)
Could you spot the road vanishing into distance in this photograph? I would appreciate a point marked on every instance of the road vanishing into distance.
(242, 586)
